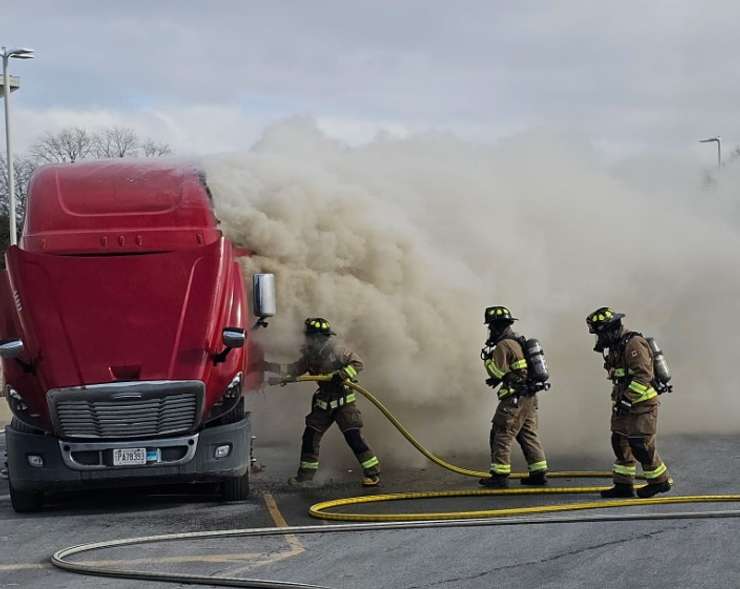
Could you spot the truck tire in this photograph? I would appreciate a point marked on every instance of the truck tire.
(25, 501)
(236, 489)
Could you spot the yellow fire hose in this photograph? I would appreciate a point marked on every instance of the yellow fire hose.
(398, 521)
(327, 509)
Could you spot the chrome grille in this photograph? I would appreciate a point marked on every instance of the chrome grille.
(134, 410)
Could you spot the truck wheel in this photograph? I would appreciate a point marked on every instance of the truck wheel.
(236, 489)
(25, 501)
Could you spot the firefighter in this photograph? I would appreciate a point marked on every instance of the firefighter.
(332, 402)
(516, 414)
(628, 361)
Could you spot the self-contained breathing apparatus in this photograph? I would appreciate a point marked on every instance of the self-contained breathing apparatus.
(538, 375)
(661, 371)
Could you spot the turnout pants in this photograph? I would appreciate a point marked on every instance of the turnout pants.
(633, 440)
(516, 419)
(349, 421)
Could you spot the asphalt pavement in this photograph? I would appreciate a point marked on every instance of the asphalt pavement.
(659, 554)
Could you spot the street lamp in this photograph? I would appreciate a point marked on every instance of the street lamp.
(717, 140)
(7, 54)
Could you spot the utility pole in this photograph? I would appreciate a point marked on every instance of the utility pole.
(6, 55)
(718, 141)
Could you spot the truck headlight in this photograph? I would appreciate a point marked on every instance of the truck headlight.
(21, 409)
(235, 387)
(15, 400)
(228, 401)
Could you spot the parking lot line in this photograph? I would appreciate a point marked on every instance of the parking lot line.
(25, 566)
(293, 541)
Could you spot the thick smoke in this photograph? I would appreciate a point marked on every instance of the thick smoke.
(402, 243)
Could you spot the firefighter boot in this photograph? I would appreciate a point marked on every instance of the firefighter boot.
(302, 479)
(495, 481)
(370, 480)
(619, 490)
(537, 478)
(653, 489)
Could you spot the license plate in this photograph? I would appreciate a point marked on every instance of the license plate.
(129, 456)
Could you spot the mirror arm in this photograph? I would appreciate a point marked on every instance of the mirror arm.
(28, 367)
(221, 356)
(260, 323)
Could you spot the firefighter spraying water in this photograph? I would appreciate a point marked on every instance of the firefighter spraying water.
(332, 402)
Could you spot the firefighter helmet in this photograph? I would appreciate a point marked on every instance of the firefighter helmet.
(498, 313)
(601, 318)
(318, 326)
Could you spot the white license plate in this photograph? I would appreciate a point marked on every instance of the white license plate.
(129, 456)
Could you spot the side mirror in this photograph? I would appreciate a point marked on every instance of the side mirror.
(11, 348)
(234, 337)
(264, 297)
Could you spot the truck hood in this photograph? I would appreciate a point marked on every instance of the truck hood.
(97, 319)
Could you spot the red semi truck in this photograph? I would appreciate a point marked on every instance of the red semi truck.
(123, 321)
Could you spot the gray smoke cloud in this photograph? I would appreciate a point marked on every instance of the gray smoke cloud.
(401, 243)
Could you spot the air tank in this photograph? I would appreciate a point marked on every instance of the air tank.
(537, 364)
(662, 372)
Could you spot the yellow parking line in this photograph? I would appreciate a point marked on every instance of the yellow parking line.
(293, 541)
(295, 545)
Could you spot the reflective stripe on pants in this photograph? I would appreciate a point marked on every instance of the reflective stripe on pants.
(536, 466)
(501, 468)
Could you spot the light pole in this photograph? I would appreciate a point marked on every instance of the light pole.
(717, 140)
(7, 54)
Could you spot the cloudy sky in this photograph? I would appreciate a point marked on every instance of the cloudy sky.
(631, 77)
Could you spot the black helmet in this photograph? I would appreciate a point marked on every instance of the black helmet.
(602, 318)
(318, 326)
(498, 313)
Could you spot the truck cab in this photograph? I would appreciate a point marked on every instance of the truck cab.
(123, 328)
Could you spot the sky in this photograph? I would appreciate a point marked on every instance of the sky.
(628, 77)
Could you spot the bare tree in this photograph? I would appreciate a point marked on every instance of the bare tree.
(153, 149)
(74, 144)
(23, 168)
(116, 142)
(68, 145)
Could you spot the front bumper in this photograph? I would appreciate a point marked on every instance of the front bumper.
(64, 468)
